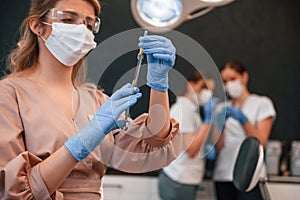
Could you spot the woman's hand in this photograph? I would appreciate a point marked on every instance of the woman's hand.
(236, 113)
(208, 110)
(104, 121)
(229, 111)
(161, 56)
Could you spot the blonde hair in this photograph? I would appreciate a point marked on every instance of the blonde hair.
(25, 55)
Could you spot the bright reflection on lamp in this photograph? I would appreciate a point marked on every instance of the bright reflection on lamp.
(160, 13)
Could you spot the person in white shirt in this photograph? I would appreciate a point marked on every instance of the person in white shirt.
(246, 115)
(180, 179)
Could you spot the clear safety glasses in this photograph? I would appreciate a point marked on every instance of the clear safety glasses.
(71, 17)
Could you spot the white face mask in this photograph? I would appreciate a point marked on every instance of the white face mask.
(204, 96)
(234, 88)
(69, 42)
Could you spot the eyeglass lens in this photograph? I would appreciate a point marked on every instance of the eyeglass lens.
(71, 17)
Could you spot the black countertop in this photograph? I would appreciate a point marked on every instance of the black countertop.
(284, 179)
(112, 171)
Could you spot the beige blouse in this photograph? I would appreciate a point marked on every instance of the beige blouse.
(33, 126)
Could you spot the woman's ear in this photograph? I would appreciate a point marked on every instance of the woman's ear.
(245, 77)
(201, 84)
(35, 26)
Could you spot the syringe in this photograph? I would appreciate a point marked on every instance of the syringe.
(140, 57)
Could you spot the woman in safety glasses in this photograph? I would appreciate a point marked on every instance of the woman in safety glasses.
(57, 136)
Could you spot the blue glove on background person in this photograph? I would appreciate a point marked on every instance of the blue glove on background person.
(104, 121)
(229, 111)
(161, 55)
(208, 109)
(236, 113)
(210, 152)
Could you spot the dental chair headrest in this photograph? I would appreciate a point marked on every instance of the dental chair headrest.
(248, 166)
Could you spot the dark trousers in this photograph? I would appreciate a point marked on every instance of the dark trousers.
(227, 191)
(171, 190)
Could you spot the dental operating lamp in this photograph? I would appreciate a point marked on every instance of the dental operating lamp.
(161, 15)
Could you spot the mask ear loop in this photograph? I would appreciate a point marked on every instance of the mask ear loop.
(47, 23)
(39, 33)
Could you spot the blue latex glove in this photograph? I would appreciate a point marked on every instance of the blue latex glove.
(161, 56)
(229, 111)
(104, 121)
(237, 114)
(210, 152)
(208, 110)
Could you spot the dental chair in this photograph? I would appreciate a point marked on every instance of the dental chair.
(248, 166)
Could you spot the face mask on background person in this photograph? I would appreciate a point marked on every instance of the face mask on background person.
(204, 96)
(234, 88)
(69, 42)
